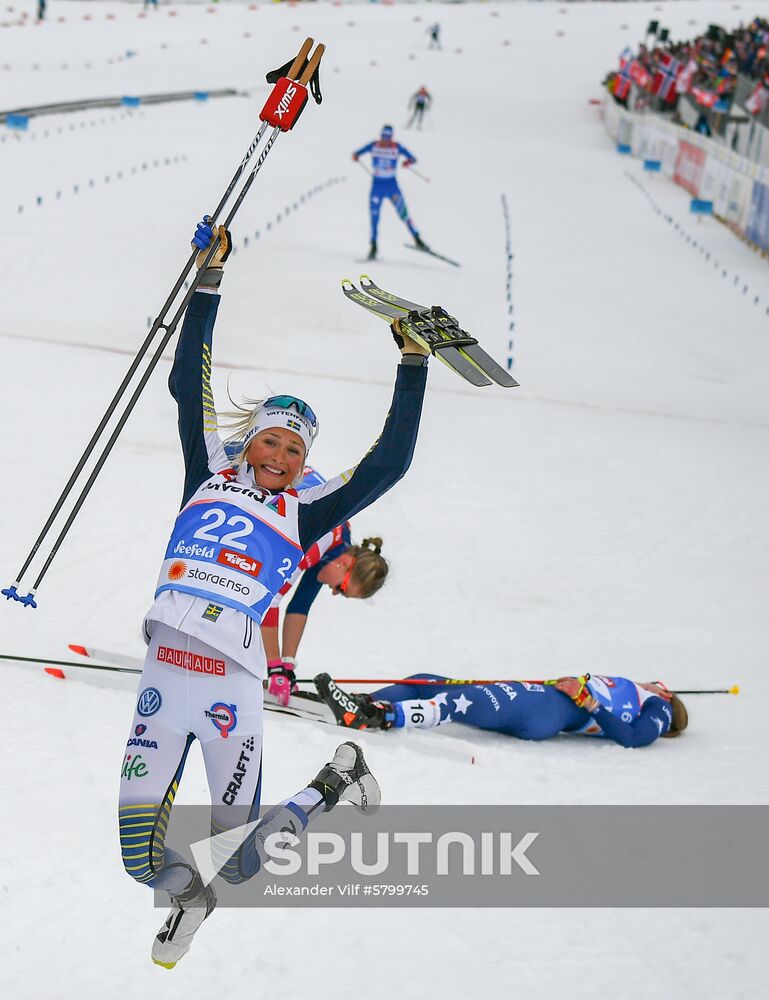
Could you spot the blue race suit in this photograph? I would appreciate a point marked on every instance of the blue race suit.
(384, 162)
(532, 711)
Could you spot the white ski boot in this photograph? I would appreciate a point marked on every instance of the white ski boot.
(347, 779)
(188, 912)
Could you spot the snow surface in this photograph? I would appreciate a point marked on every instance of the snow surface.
(609, 515)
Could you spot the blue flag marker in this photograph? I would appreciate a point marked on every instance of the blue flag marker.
(20, 122)
(698, 206)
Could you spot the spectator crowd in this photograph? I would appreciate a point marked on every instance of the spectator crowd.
(707, 68)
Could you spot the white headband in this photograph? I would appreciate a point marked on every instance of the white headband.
(275, 416)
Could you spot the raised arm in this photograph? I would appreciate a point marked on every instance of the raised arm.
(387, 461)
(190, 379)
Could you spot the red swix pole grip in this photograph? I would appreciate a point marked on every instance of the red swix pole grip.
(282, 108)
(289, 96)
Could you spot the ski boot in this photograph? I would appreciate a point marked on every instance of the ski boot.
(419, 243)
(355, 711)
(372, 251)
(347, 779)
(188, 912)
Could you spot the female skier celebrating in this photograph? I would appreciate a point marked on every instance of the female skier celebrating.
(240, 534)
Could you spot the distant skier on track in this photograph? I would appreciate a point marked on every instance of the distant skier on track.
(419, 103)
(240, 535)
(629, 713)
(385, 154)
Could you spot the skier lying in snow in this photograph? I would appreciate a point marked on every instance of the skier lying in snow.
(239, 537)
(631, 714)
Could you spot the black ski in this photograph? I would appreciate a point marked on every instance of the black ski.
(480, 358)
(439, 256)
(423, 331)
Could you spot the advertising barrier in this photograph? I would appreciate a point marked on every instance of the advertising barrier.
(709, 171)
(757, 230)
(690, 164)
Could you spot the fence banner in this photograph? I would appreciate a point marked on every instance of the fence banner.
(757, 228)
(738, 187)
(625, 132)
(690, 165)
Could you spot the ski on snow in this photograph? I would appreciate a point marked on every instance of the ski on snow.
(432, 253)
(302, 705)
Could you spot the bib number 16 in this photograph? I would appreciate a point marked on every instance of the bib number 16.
(218, 519)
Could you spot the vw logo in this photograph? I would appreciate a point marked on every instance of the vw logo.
(149, 702)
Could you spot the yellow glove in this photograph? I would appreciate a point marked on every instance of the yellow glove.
(204, 236)
(576, 688)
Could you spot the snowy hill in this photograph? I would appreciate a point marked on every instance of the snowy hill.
(609, 515)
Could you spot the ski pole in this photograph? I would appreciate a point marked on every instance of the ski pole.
(734, 689)
(450, 680)
(286, 103)
(69, 663)
(295, 68)
(415, 681)
(281, 110)
(364, 168)
(417, 174)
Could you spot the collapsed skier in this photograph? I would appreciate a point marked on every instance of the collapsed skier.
(629, 713)
(385, 155)
(240, 535)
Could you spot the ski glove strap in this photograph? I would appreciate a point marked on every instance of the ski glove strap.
(276, 74)
(211, 278)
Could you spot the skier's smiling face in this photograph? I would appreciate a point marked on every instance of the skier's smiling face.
(276, 457)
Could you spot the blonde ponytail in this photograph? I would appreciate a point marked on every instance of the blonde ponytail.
(371, 568)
